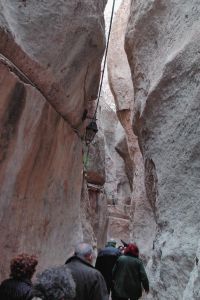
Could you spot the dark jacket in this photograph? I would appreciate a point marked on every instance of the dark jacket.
(13, 289)
(129, 276)
(90, 284)
(105, 262)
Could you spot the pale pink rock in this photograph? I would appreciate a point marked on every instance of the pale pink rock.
(163, 45)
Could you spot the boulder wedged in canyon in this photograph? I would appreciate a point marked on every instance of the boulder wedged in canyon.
(50, 57)
(140, 218)
(163, 46)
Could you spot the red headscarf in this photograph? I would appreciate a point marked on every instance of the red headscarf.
(132, 249)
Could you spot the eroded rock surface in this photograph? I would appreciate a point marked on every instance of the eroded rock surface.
(58, 45)
(163, 46)
(141, 218)
(37, 211)
(117, 184)
(50, 56)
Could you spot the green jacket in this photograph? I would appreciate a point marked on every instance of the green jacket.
(129, 276)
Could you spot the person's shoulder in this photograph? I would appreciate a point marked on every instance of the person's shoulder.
(109, 251)
(96, 273)
(102, 251)
(127, 258)
(117, 251)
(133, 260)
(122, 257)
(7, 283)
(19, 286)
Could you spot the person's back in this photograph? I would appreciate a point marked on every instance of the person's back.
(19, 286)
(90, 284)
(105, 262)
(129, 276)
(13, 289)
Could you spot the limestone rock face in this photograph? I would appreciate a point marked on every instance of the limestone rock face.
(95, 201)
(140, 215)
(94, 214)
(108, 124)
(120, 201)
(95, 161)
(38, 165)
(163, 46)
(58, 45)
(50, 56)
(118, 69)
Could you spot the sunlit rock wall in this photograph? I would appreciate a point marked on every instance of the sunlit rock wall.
(163, 48)
(141, 223)
(56, 48)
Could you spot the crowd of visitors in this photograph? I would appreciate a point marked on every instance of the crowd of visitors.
(118, 271)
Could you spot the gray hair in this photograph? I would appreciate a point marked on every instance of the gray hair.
(83, 250)
(54, 284)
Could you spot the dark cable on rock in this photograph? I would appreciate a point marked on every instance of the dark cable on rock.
(105, 59)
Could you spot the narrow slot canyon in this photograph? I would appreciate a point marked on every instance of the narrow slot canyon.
(138, 179)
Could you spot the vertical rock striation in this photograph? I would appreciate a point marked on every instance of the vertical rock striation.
(162, 45)
(50, 57)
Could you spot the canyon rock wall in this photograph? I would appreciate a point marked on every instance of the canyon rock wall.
(95, 201)
(163, 48)
(141, 219)
(50, 57)
(59, 46)
(117, 185)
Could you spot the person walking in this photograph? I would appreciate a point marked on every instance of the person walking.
(106, 260)
(19, 285)
(90, 284)
(129, 275)
(55, 283)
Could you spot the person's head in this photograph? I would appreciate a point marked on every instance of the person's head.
(85, 251)
(111, 243)
(23, 266)
(132, 249)
(55, 284)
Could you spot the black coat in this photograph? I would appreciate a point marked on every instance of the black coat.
(90, 284)
(105, 262)
(13, 289)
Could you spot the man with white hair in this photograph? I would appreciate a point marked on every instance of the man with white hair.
(90, 284)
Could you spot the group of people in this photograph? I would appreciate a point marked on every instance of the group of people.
(123, 271)
(118, 271)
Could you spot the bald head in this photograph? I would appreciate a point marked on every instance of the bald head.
(84, 251)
